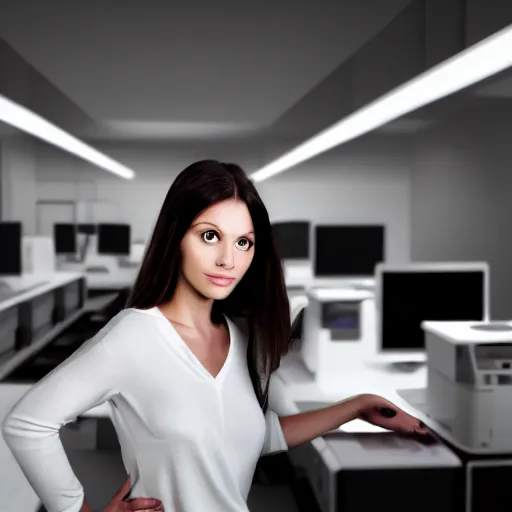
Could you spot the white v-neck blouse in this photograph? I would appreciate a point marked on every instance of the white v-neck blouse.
(187, 438)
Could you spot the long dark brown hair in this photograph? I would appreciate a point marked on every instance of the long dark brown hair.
(260, 298)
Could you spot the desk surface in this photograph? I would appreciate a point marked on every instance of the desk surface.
(35, 285)
(406, 390)
(98, 275)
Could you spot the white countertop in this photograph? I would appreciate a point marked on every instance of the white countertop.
(122, 278)
(294, 383)
(104, 275)
(406, 390)
(36, 284)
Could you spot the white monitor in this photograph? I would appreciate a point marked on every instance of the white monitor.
(409, 294)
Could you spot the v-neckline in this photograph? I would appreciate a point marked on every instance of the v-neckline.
(220, 375)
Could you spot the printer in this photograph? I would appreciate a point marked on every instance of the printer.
(469, 390)
(338, 332)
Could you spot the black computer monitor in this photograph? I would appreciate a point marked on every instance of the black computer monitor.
(292, 239)
(11, 263)
(114, 239)
(86, 229)
(348, 251)
(408, 297)
(64, 238)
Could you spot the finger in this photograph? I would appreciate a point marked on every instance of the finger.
(144, 503)
(421, 427)
(124, 489)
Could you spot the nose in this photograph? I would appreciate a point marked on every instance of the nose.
(226, 257)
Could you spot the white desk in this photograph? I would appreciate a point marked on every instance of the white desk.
(294, 383)
(104, 276)
(330, 457)
(121, 278)
(35, 285)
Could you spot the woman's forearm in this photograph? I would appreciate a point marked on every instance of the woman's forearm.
(304, 427)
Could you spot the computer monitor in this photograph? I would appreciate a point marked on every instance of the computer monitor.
(114, 239)
(86, 229)
(11, 263)
(292, 239)
(412, 293)
(64, 238)
(348, 250)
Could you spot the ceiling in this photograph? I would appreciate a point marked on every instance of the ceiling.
(150, 69)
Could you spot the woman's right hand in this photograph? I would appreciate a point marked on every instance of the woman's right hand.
(119, 504)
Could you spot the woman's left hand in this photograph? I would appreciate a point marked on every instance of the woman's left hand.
(383, 413)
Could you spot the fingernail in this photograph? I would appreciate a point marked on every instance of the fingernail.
(387, 412)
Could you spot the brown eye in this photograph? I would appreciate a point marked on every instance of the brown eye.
(244, 244)
(209, 236)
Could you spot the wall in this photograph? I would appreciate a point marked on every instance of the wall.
(18, 177)
(460, 196)
(62, 177)
(365, 181)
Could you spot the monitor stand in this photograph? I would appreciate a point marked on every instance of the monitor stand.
(406, 366)
(5, 287)
(400, 363)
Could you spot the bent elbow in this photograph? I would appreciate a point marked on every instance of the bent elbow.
(23, 432)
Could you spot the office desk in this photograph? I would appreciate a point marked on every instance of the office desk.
(38, 307)
(118, 280)
(480, 477)
(104, 275)
(364, 460)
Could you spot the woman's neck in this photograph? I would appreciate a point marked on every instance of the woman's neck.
(188, 308)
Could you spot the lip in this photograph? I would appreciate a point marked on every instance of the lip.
(219, 279)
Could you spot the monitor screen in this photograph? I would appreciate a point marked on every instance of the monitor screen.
(86, 229)
(342, 251)
(409, 298)
(292, 239)
(64, 238)
(11, 253)
(114, 239)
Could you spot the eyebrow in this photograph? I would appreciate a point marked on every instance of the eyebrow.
(217, 227)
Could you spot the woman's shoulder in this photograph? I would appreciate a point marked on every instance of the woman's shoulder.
(128, 324)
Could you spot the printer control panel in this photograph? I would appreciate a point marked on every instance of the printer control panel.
(494, 363)
(343, 319)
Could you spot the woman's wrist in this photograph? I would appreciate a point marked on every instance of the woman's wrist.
(350, 409)
(363, 402)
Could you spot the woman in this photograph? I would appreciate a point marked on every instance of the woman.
(186, 366)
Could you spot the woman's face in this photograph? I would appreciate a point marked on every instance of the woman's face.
(218, 248)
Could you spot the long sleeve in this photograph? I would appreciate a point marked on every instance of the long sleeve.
(274, 438)
(89, 377)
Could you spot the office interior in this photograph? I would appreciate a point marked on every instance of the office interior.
(394, 244)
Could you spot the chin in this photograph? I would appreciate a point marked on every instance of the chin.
(220, 294)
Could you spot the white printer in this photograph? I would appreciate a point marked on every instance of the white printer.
(469, 390)
(338, 332)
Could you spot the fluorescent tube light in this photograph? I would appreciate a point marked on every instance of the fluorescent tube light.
(25, 120)
(484, 59)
